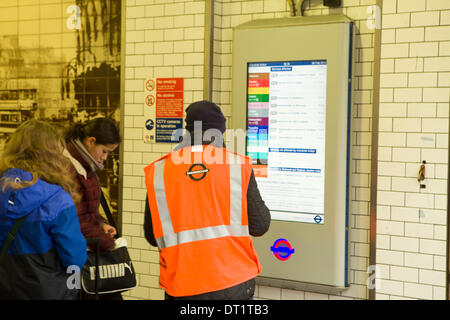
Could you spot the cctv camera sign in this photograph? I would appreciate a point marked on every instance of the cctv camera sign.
(165, 128)
(164, 108)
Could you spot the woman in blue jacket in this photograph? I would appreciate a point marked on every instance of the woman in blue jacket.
(35, 182)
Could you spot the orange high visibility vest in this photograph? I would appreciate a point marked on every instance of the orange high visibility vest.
(200, 221)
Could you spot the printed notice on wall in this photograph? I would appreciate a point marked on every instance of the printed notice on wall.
(163, 109)
(286, 136)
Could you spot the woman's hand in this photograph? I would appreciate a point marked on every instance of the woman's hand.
(110, 230)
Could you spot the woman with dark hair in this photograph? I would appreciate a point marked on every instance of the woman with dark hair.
(88, 146)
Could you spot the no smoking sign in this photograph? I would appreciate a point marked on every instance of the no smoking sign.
(150, 85)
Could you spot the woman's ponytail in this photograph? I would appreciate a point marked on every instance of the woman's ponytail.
(104, 130)
(76, 132)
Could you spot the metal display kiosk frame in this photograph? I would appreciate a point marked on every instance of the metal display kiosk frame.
(321, 259)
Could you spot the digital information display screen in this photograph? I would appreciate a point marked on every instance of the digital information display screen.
(286, 109)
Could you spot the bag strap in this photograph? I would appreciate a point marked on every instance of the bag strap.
(97, 272)
(105, 207)
(10, 237)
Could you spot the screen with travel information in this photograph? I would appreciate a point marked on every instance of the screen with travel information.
(286, 108)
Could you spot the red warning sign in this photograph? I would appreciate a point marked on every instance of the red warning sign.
(169, 97)
(169, 84)
(169, 104)
(150, 100)
(150, 85)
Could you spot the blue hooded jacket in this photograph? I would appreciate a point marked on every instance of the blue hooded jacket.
(47, 243)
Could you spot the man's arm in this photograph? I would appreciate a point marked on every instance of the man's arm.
(258, 213)
(148, 226)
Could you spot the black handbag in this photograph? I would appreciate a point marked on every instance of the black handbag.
(108, 271)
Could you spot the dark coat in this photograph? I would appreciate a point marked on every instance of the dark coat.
(87, 209)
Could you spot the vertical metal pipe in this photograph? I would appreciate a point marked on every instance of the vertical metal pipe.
(374, 145)
(122, 31)
(447, 276)
(209, 50)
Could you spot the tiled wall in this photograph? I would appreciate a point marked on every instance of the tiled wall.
(165, 38)
(413, 125)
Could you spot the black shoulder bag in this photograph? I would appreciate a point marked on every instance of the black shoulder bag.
(10, 237)
(108, 271)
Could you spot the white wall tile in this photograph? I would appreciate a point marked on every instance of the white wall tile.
(409, 35)
(418, 260)
(418, 291)
(436, 94)
(419, 230)
(390, 227)
(407, 94)
(425, 18)
(410, 5)
(422, 79)
(437, 64)
(428, 246)
(405, 244)
(409, 64)
(437, 4)
(390, 287)
(394, 50)
(404, 274)
(435, 125)
(395, 20)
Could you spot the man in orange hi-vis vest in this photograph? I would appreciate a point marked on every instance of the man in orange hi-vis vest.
(203, 205)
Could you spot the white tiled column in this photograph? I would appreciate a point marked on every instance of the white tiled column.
(412, 222)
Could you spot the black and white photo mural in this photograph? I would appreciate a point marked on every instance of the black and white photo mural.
(60, 62)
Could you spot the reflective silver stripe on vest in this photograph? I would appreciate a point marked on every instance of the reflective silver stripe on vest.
(235, 190)
(170, 238)
(160, 192)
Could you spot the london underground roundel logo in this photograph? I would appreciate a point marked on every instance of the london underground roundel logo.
(282, 249)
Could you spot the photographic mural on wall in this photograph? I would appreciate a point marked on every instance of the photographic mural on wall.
(66, 73)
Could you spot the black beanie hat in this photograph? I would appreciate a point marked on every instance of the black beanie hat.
(207, 112)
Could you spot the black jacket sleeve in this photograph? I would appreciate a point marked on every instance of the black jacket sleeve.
(148, 226)
(258, 214)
